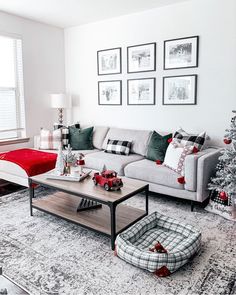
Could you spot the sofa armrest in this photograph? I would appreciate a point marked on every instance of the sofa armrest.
(36, 142)
(205, 170)
(190, 172)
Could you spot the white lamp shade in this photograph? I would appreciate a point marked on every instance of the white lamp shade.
(59, 101)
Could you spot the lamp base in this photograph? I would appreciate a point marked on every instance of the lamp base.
(60, 116)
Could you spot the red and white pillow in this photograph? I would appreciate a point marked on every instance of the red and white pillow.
(175, 156)
(186, 139)
(50, 140)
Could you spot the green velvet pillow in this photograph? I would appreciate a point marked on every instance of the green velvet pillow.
(157, 146)
(81, 139)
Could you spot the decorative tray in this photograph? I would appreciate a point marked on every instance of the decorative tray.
(75, 176)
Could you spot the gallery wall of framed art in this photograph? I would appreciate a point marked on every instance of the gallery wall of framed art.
(178, 88)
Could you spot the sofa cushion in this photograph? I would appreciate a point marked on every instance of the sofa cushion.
(99, 135)
(149, 171)
(114, 162)
(190, 139)
(50, 140)
(119, 147)
(139, 139)
(81, 139)
(157, 146)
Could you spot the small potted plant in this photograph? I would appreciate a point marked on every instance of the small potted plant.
(69, 160)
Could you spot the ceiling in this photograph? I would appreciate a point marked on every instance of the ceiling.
(68, 13)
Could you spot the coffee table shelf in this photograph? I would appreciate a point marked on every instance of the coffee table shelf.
(64, 205)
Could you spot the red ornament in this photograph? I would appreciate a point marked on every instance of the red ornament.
(195, 150)
(227, 141)
(158, 162)
(181, 180)
(169, 140)
(223, 196)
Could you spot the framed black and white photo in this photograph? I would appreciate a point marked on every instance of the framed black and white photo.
(141, 58)
(109, 92)
(141, 91)
(180, 90)
(181, 53)
(109, 61)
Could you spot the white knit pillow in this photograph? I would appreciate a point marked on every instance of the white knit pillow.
(175, 157)
(50, 140)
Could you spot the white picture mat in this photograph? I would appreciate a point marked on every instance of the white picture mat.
(109, 61)
(180, 62)
(141, 58)
(141, 91)
(184, 87)
(110, 92)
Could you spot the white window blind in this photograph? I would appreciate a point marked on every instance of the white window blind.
(12, 114)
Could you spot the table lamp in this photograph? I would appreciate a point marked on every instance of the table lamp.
(60, 101)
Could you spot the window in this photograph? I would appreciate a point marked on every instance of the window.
(12, 108)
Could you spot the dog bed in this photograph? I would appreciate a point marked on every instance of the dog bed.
(159, 244)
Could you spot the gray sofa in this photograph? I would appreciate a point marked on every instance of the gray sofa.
(198, 167)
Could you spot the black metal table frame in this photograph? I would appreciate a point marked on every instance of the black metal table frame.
(112, 206)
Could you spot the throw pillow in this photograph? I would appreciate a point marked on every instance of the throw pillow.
(50, 140)
(175, 157)
(64, 133)
(118, 147)
(81, 139)
(157, 146)
(185, 138)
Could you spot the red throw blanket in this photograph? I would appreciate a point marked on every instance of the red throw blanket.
(32, 161)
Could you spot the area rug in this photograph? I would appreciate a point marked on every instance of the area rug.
(47, 255)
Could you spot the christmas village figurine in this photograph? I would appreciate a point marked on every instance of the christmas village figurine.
(223, 185)
(81, 163)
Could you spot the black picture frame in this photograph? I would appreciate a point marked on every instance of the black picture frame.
(196, 55)
(119, 54)
(141, 79)
(120, 93)
(154, 58)
(179, 76)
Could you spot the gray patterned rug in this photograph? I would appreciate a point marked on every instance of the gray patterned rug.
(47, 255)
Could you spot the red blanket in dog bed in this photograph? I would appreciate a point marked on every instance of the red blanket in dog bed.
(32, 161)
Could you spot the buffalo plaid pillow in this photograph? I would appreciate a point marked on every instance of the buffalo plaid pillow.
(187, 139)
(50, 140)
(64, 133)
(118, 147)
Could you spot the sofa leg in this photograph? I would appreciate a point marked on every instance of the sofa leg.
(192, 206)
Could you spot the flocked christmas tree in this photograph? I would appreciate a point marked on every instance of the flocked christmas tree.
(223, 185)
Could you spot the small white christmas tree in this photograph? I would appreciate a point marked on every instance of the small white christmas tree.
(223, 185)
(59, 168)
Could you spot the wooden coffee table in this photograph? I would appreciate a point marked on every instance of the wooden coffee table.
(110, 219)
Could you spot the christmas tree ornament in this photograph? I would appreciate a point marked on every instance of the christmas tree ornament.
(223, 196)
(223, 184)
(227, 141)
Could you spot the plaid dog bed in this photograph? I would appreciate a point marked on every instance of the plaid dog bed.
(180, 240)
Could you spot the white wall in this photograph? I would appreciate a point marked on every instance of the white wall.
(44, 72)
(213, 20)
